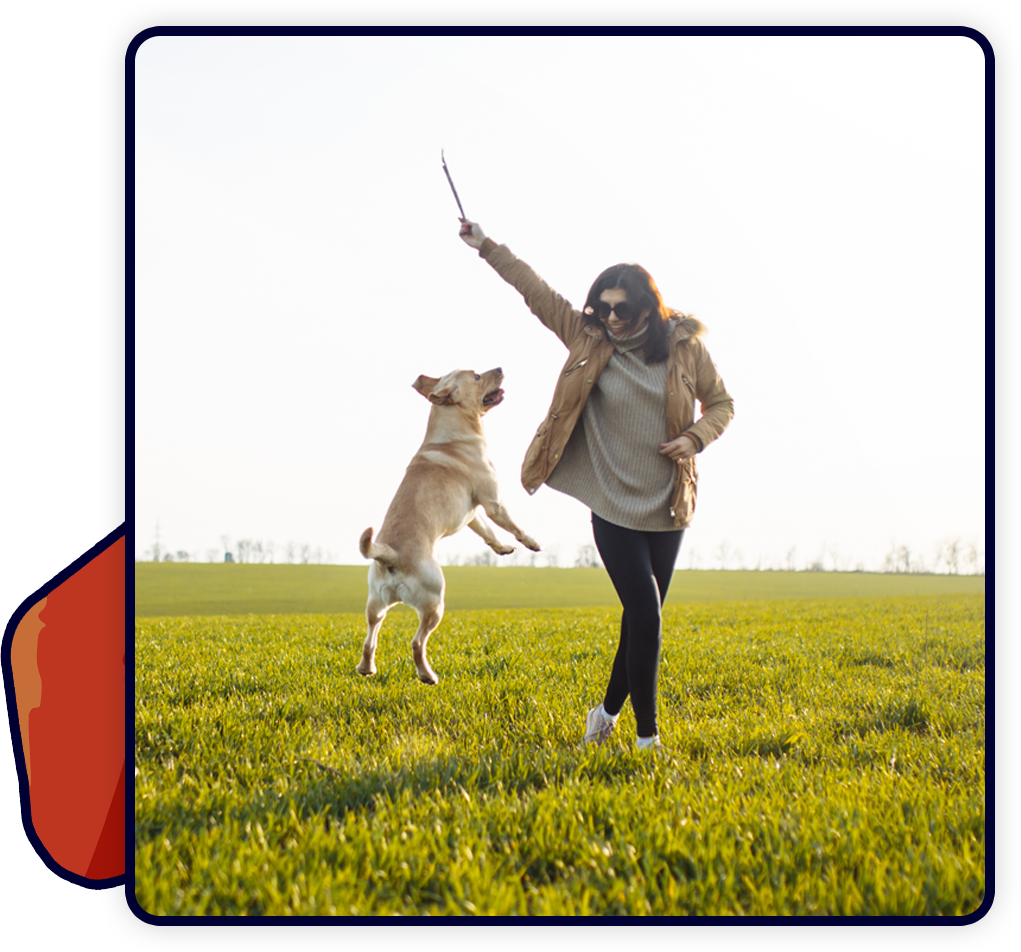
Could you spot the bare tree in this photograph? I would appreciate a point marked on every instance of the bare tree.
(306, 553)
(270, 549)
(723, 553)
(898, 559)
(834, 559)
(157, 548)
(790, 558)
(182, 556)
(952, 552)
(588, 557)
(289, 553)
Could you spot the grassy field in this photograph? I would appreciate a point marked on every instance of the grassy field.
(167, 588)
(825, 756)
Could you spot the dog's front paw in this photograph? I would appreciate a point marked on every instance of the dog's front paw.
(502, 549)
(529, 543)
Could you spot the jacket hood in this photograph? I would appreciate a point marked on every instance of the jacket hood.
(688, 328)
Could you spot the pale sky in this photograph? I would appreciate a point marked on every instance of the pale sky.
(817, 202)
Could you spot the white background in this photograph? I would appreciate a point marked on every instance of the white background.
(46, 238)
(46, 303)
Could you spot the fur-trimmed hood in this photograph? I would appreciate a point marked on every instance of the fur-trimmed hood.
(688, 328)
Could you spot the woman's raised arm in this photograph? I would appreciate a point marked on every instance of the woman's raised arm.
(554, 311)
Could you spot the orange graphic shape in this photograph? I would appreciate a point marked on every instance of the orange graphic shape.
(73, 696)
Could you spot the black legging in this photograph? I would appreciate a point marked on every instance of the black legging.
(640, 565)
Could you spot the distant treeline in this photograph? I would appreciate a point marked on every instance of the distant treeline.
(949, 557)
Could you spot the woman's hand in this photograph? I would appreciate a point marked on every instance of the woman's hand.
(471, 234)
(679, 450)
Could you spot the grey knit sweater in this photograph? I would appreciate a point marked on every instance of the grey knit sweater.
(611, 462)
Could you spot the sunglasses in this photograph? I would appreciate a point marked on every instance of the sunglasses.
(624, 311)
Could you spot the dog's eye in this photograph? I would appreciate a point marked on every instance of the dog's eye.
(477, 377)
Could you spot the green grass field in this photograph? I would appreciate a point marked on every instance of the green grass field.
(168, 588)
(826, 756)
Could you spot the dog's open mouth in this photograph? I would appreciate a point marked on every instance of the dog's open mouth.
(492, 398)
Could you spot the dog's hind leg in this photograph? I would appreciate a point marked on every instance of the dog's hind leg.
(375, 612)
(429, 618)
(426, 597)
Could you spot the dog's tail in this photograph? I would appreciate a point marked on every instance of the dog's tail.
(379, 551)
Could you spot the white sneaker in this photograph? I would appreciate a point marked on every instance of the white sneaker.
(598, 727)
(649, 743)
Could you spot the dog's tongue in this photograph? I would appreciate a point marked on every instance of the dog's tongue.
(493, 396)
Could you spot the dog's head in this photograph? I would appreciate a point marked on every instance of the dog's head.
(473, 393)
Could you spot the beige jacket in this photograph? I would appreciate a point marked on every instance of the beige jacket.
(691, 375)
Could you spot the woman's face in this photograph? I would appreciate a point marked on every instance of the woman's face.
(613, 297)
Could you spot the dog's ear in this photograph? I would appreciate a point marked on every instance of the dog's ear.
(443, 395)
(427, 387)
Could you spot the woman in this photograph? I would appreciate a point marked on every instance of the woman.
(621, 437)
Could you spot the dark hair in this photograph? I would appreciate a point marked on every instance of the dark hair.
(642, 294)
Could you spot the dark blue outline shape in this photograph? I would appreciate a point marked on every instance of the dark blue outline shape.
(35, 456)
(12, 713)
(990, 166)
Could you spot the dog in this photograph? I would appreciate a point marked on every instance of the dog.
(447, 482)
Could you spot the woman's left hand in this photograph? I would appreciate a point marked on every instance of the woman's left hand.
(680, 449)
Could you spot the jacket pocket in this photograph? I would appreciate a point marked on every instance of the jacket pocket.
(581, 363)
(535, 467)
(685, 493)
